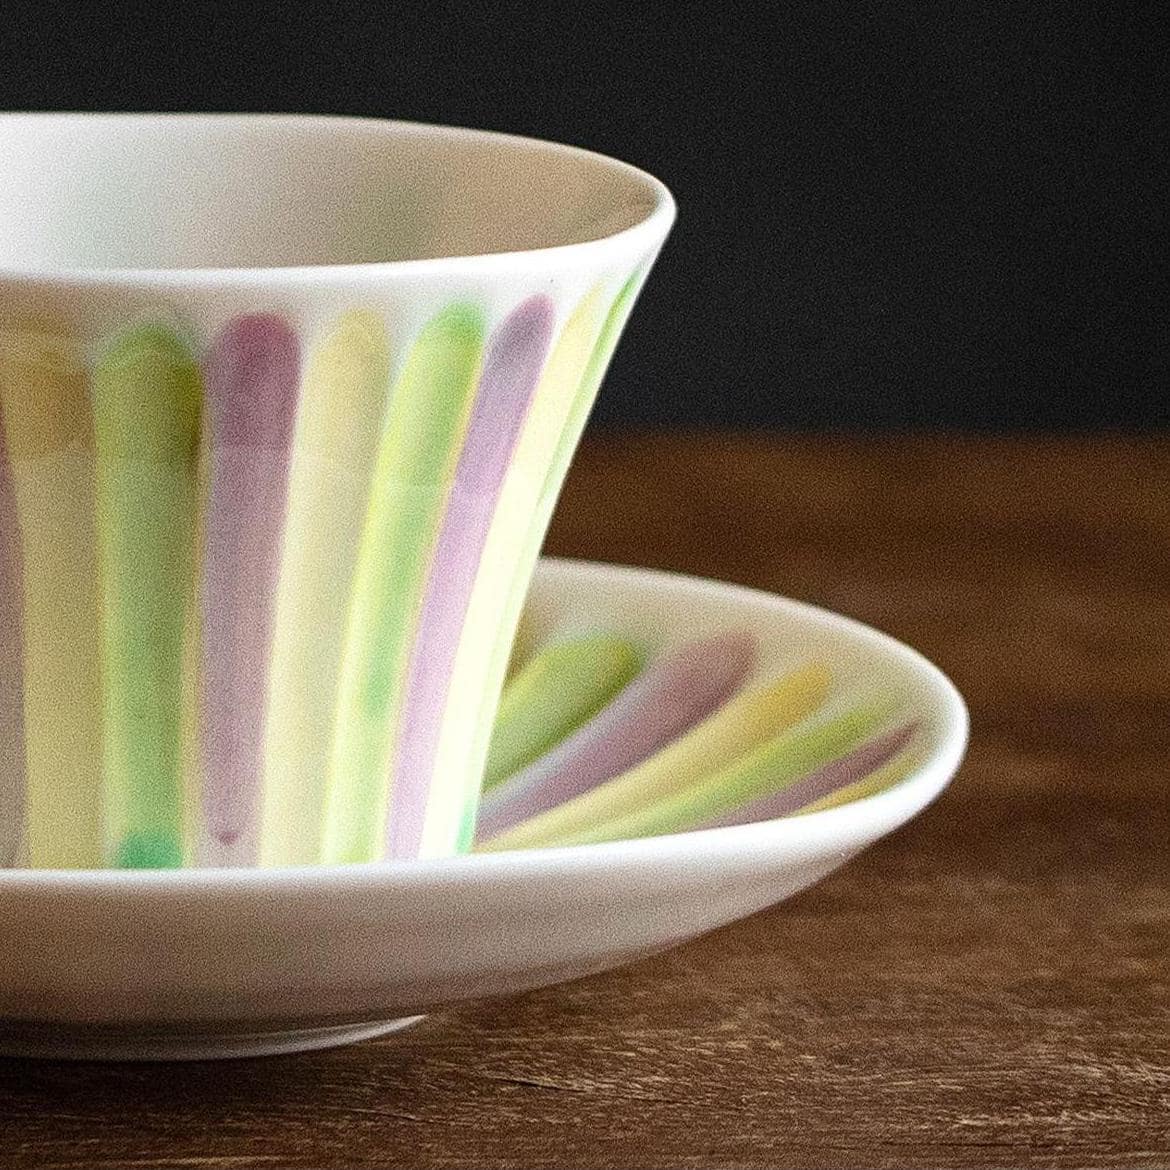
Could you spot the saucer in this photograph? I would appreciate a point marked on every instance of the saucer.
(198, 964)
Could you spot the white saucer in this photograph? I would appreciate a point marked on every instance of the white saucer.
(189, 964)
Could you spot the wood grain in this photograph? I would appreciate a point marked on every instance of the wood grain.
(989, 987)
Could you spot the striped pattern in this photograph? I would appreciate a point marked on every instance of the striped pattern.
(674, 693)
(492, 615)
(731, 753)
(342, 399)
(257, 591)
(424, 431)
(535, 521)
(510, 376)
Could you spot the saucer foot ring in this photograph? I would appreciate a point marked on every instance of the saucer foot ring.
(44, 1042)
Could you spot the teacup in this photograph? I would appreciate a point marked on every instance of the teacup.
(285, 406)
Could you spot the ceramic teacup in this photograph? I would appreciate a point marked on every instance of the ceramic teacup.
(285, 406)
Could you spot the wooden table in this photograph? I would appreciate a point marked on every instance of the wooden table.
(989, 987)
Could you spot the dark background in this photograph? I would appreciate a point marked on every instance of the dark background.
(892, 215)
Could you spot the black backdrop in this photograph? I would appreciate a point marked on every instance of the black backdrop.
(892, 214)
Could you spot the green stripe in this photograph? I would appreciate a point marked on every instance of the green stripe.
(420, 445)
(146, 398)
(555, 692)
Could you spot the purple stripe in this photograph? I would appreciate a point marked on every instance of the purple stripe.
(511, 373)
(678, 691)
(12, 767)
(821, 783)
(251, 375)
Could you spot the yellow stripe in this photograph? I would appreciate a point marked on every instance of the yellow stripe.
(339, 421)
(50, 444)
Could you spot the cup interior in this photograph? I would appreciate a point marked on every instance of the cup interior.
(151, 192)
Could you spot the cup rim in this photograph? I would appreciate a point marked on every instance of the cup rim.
(640, 238)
